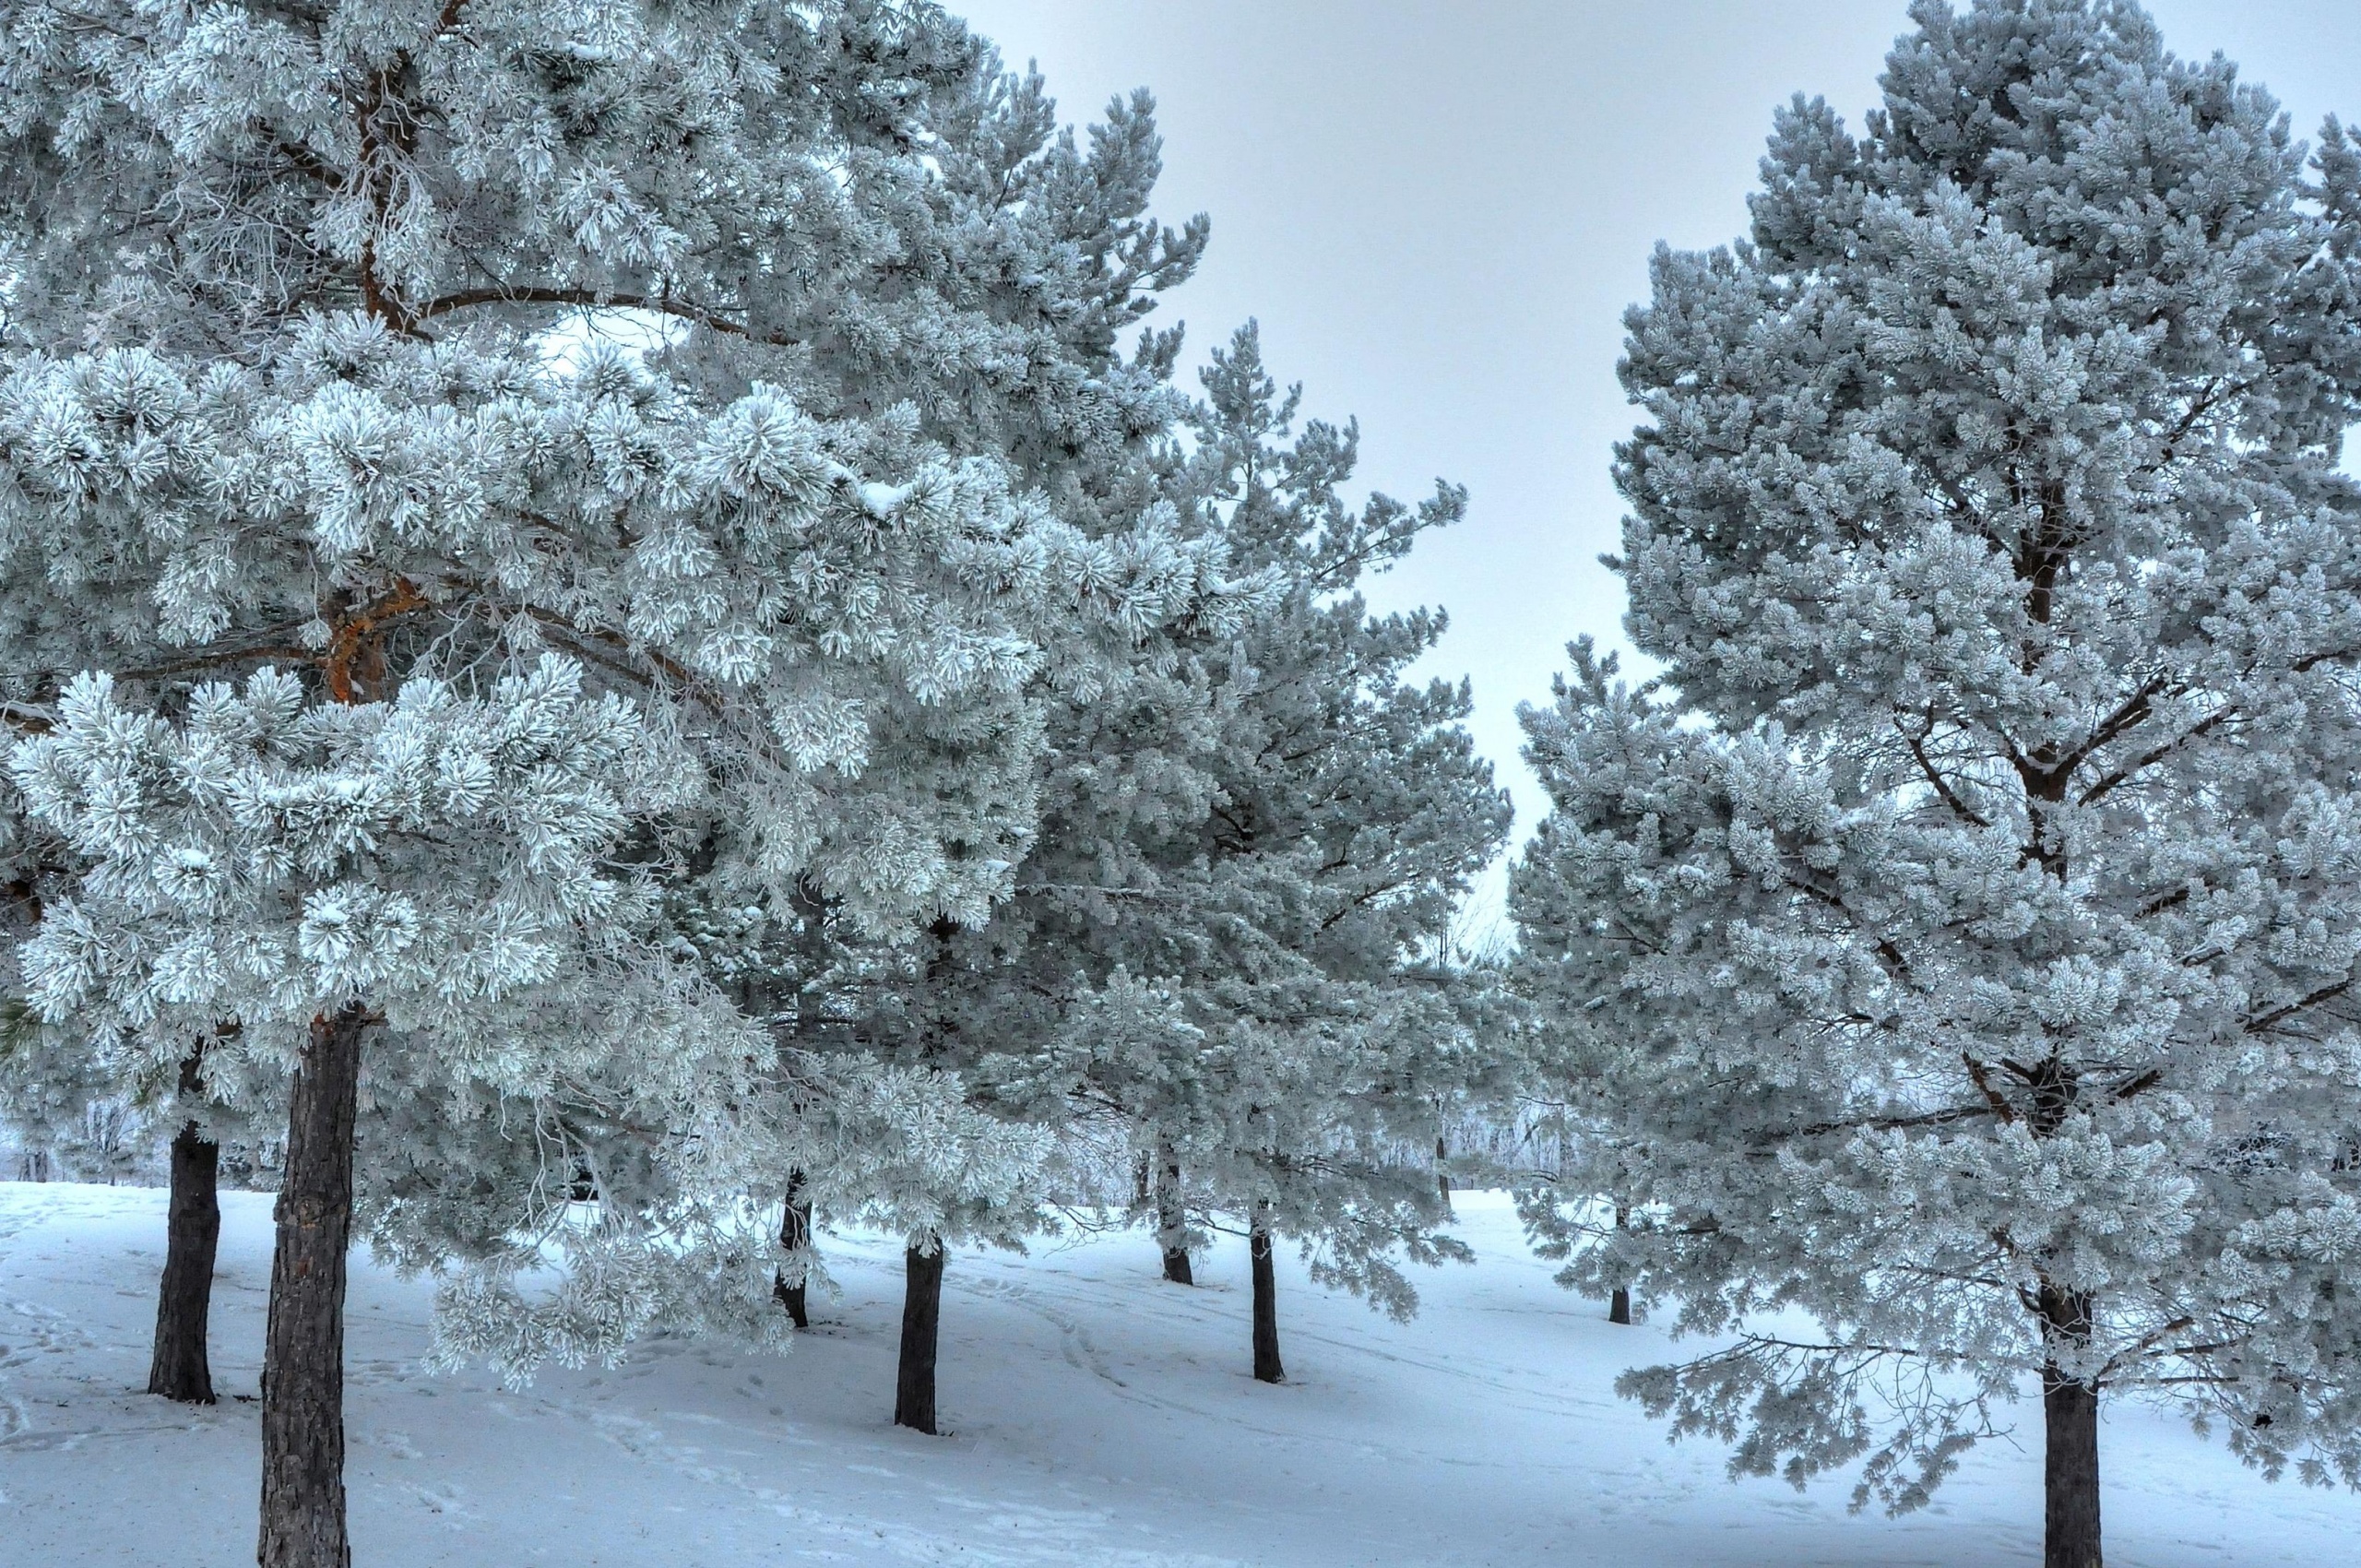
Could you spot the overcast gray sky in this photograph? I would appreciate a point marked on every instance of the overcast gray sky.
(1439, 211)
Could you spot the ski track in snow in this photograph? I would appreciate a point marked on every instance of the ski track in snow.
(1097, 1415)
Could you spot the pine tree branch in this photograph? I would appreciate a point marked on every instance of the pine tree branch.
(1888, 1124)
(2257, 1024)
(595, 299)
(1916, 743)
(211, 658)
(2203, 727)
(1881, 946)
(1981, 1077)
(2128, 715)
(1759, 1342)
(356, 638)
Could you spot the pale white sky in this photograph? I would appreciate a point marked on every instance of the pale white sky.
(1438, 210)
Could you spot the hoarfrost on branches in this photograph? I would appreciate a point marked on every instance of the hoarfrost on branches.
(1956, 944)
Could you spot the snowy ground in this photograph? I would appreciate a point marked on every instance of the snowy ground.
(1100, 1417)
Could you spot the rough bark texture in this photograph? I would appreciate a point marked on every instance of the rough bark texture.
(2069, 1473)
(180, 1369)
(2071, 1456)
(1442, 1170)
(794, 1234)
(1267, 1367)
(922, 1319)
(1172, 1222)
(302, 1378)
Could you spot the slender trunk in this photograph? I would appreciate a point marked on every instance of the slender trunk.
(179, 1369)
(1442, 1170)
(1619, 1306)
(1172, 1220)
(2069, 1408)
(302, 1376)
(1266, 1301)
(795, 1235)
(921, 1321)
(1140, 1188)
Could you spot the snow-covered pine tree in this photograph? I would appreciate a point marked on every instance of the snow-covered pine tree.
(285, 390)
(1222, 933)
(50, 1081)
(435, 878)
(978, 1175)
(1966, 926)
(46, 1079)
(1046, 250)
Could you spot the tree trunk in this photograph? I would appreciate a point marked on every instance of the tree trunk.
(179, 1369)
(1172, 1221)
(1266, 1302)
(2069, 1473)
(1619, 1306)
(2069, 1408)
(1442, 1170)
(794, 1234)
(302, 1376)
(921, 1320)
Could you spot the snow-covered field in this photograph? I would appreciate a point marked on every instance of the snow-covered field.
(1098, 1416)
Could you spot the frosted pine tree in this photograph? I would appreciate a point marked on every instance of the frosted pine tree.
(513, 466)
(1964, 932)
(311, 882)
(934, 1014)
(1047, 246)
(1247, 850)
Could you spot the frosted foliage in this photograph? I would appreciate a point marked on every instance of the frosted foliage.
(1222, 950)
(561, 490)
(448, 862)
(791, 588)
(1218, 940)
(450, 865)
(347, 244)
(1957, 945)
(855, 183)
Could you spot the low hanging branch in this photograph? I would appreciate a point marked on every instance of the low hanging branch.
(594, 299)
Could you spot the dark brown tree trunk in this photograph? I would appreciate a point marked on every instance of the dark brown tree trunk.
(1172, 1221)
(179, 1369)
(922, 1323)
(1267, 1368)
(2070, 1410)
(2069, 1473)
(1619, 1306)
(1442, 1170)
(302, 1376)
(794, 1234)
